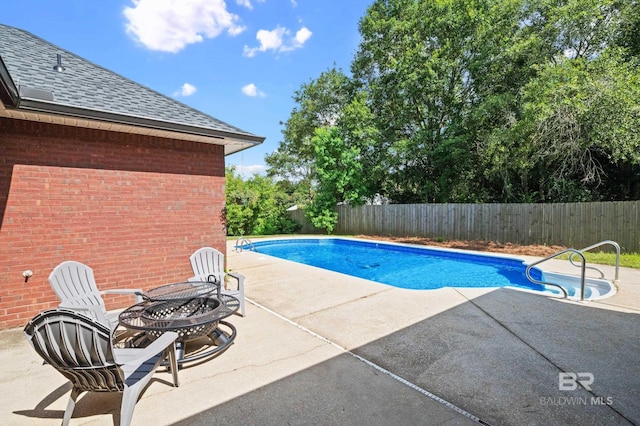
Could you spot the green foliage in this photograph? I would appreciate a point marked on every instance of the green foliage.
(570, 136)
(360, 135)
(627, 37)
(584, 118)
(322, 212)
(627, 260)
(474, 101)
(442, 76)
(319, 103)
(339, 175)
(256, 206)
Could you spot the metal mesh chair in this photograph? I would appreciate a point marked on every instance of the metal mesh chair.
(81, 349)
(75, 286)
(208, 265)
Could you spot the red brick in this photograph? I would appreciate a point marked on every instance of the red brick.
(132, 207)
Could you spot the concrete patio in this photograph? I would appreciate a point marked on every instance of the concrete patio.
(318, 347)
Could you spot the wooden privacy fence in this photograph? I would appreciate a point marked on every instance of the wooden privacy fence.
(574, 225)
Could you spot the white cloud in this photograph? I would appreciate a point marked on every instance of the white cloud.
(171, 25)
(186, 90)
(247, 3)
(252, 90)
(268, 40)
(302, 36)
(278, 40)
(249, 171)
(271, 39)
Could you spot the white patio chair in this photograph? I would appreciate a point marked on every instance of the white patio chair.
(81, 349)
(208, 264)
(75, 285)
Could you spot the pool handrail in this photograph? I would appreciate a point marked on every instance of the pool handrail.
(564, 291)
(601, 243)
(240, 243)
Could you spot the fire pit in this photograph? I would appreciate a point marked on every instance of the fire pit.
(184, 290)
(189, 310)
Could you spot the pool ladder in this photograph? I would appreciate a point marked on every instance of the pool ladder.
(241, 242)
(583, 266)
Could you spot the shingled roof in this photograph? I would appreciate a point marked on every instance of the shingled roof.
(88, 95)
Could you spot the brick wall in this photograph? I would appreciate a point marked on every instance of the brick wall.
(132, 207)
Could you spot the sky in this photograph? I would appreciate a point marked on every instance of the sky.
(240, 61)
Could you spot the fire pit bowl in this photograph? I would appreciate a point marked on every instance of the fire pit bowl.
(190, 318)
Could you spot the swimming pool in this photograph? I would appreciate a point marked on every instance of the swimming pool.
(410, 267)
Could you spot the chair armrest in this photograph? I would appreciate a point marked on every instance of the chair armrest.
(138, 356)
(239, 278)
(137, 292)
(204, 278)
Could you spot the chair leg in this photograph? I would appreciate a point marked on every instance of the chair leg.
(129, 399)
(173, 363)
(241, 305)
(130, 396)
(71, 405)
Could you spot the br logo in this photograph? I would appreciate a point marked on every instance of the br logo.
(569, 381)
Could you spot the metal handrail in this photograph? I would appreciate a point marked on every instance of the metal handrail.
(582, 277)
(241, 241)
(601, 243)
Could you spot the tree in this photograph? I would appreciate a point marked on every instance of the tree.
(256, 206)
(479, 101)
(318, 104)
(357, 128)
(627, 37)
(571, 134)
(584, 121)
(421, 63)
(339, 174)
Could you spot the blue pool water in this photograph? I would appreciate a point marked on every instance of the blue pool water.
(403, 266)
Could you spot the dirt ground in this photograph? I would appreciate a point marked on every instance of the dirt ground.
(479, 245)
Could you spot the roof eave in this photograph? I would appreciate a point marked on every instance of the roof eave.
(70, 111)
(8, 90)
(233, 142)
